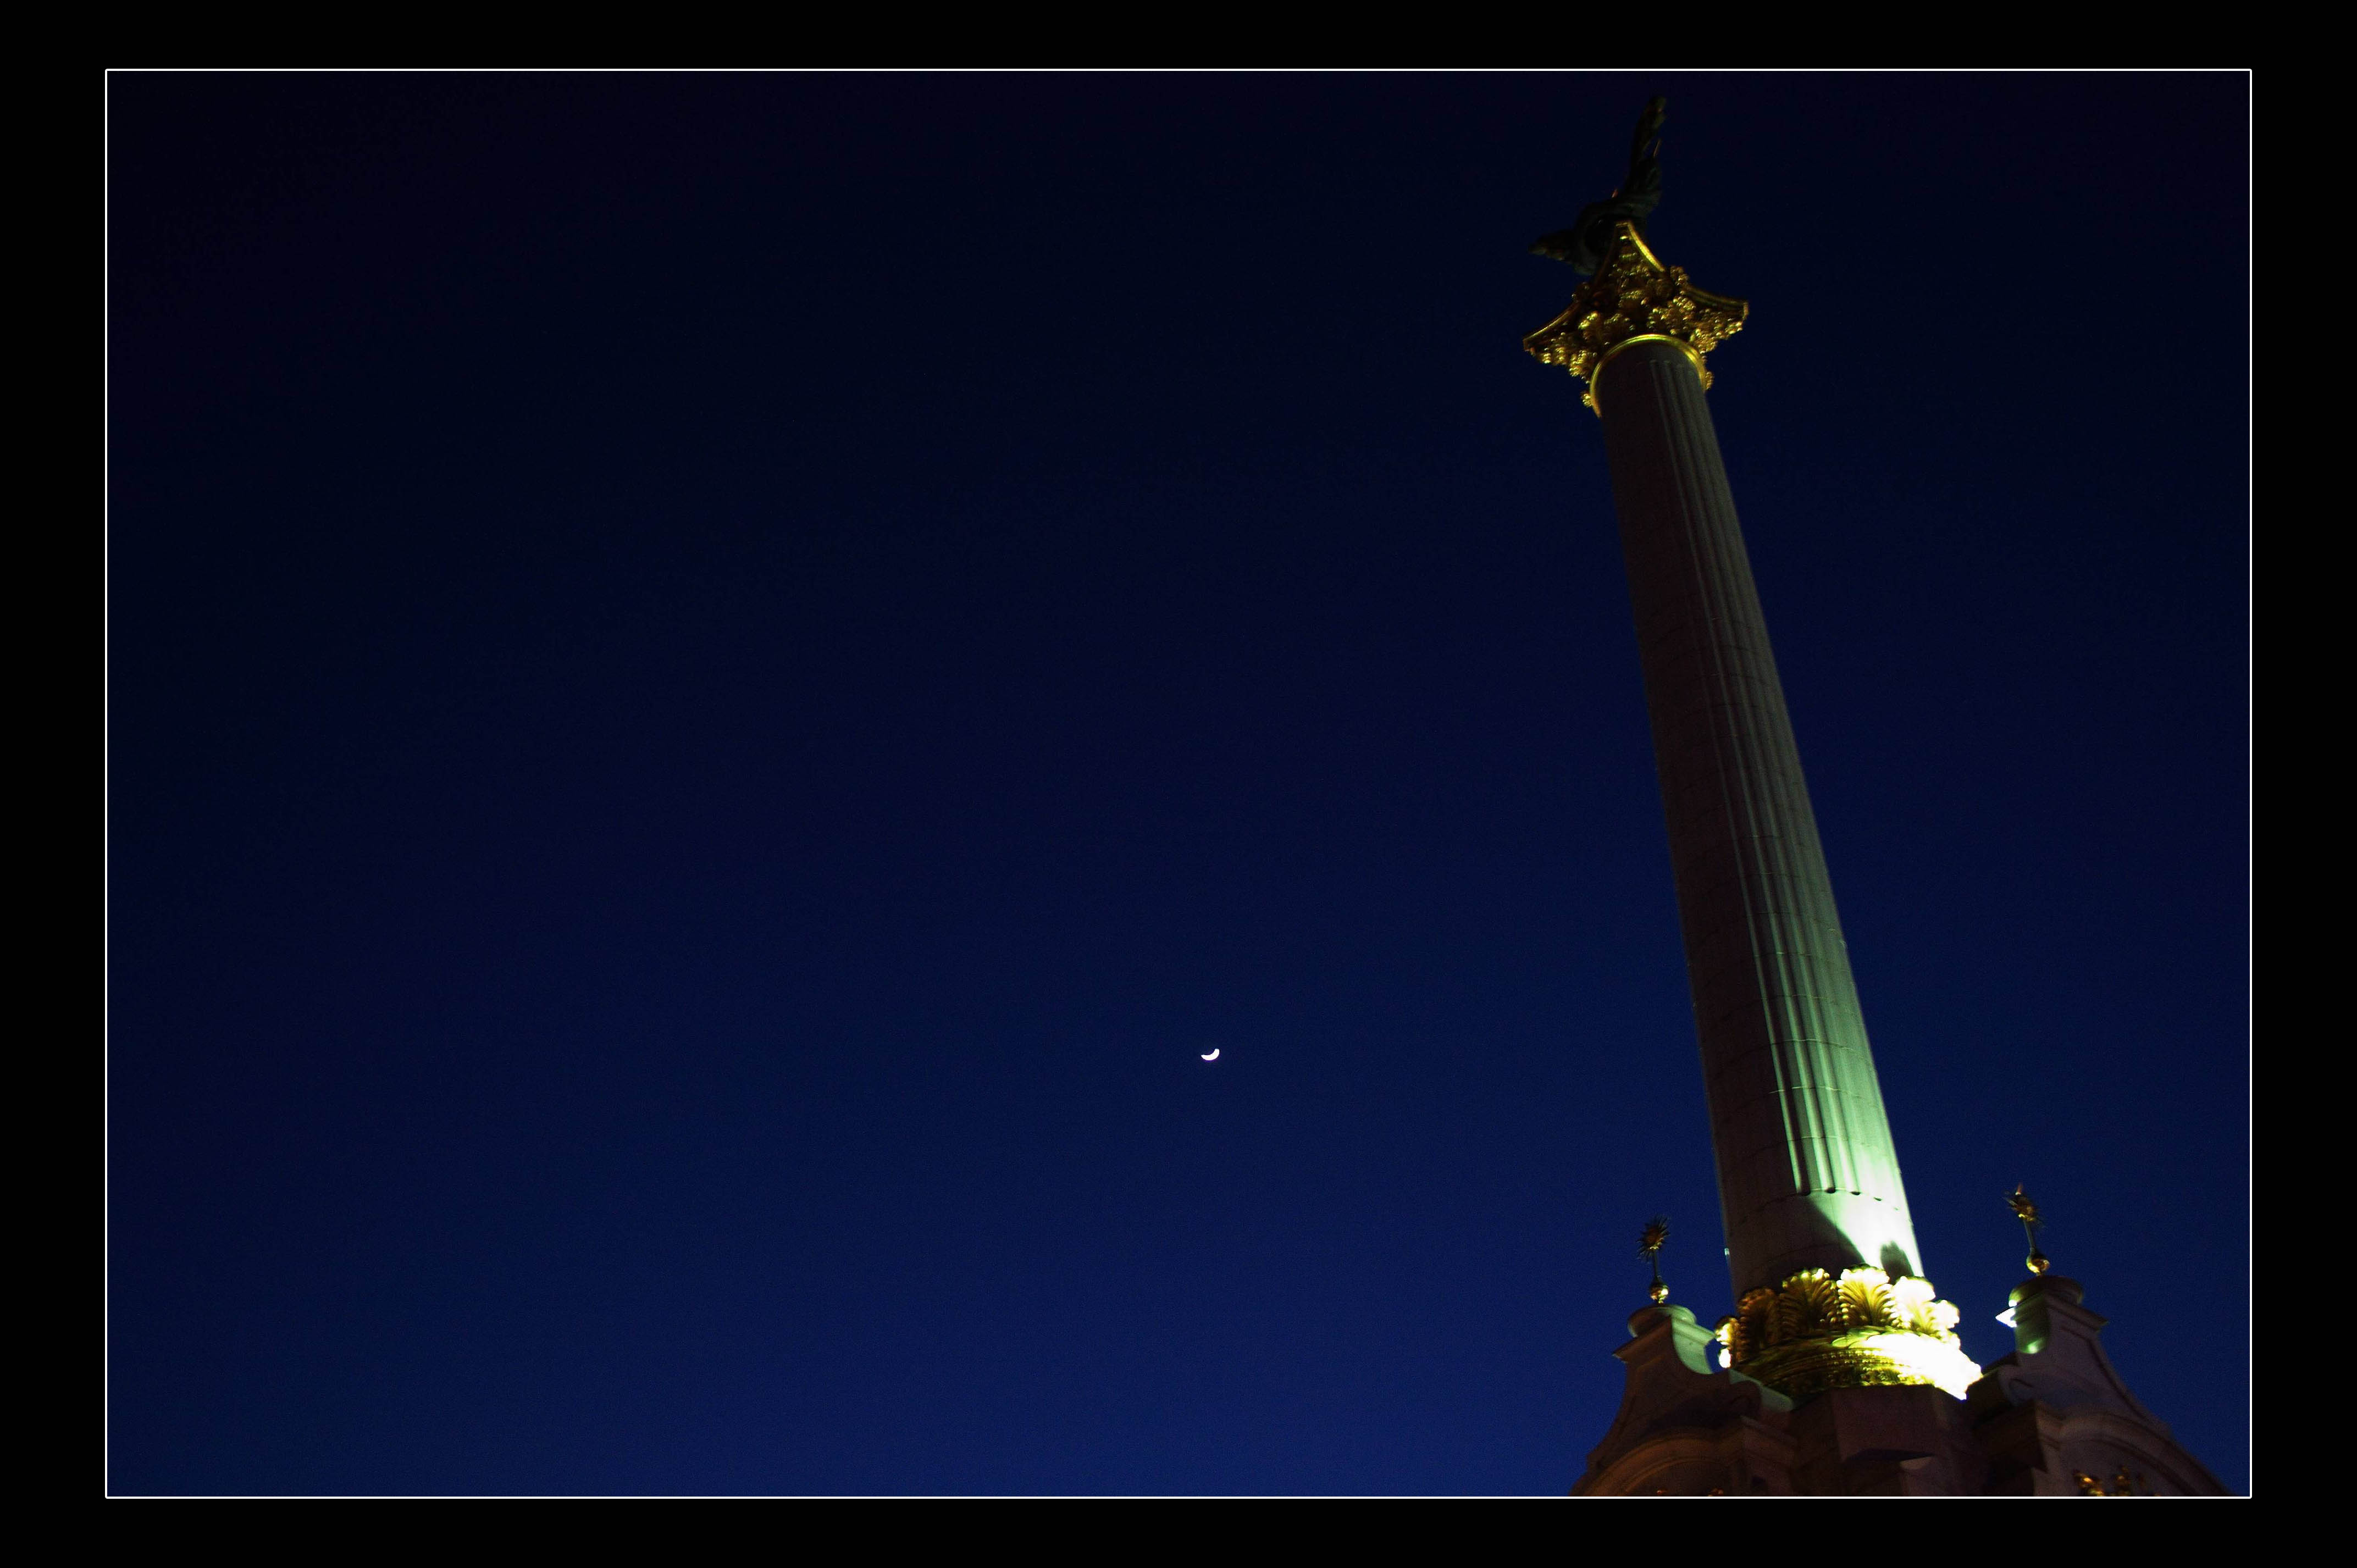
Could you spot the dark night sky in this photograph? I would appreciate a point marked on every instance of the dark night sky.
(717, 682)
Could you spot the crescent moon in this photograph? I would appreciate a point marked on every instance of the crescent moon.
(1214, 1055)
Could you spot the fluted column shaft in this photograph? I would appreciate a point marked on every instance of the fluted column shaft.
(1807, 1175)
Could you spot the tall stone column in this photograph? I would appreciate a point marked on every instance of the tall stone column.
(1832, 1368)
(1807, 1175)
(1809, 1187)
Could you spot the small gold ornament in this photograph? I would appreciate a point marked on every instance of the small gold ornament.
(1649, 1247)
(2025, 1208)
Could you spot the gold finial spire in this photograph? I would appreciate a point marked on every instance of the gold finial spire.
(2025, 1208)
(1649, 1247)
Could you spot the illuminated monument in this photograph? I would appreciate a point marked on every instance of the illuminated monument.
(1839, 1371)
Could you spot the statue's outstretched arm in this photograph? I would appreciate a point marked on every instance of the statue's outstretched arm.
(1644, 162)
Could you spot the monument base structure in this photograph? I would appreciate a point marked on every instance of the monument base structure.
(2052, 1419)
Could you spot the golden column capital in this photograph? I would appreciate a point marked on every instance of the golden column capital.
(1633, 298)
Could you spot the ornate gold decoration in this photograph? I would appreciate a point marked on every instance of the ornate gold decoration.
(1649, 1247)
(2025, 1208)
(2122, 1484)
(1633, 298)
(1865, 1330)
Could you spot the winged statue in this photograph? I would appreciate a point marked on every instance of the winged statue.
(1590, 238)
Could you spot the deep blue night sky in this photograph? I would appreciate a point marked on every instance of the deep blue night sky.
(716, 683)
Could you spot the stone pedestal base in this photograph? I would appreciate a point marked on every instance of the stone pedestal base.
(2055, 1419)
(2052, 1418)
(1686, 1429)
